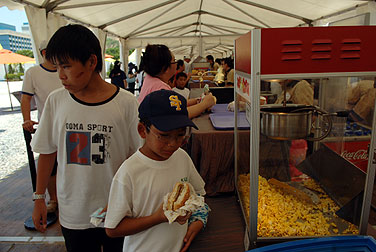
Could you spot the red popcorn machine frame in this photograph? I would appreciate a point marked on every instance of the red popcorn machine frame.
(332, 59)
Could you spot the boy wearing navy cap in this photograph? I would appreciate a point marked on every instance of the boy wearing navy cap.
(136, 196)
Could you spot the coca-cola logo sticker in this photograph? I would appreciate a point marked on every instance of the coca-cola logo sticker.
(355, 152)
(355, 155)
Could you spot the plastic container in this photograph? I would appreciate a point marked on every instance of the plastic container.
(324, 244)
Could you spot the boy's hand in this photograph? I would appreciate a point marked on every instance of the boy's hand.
(160, 214)
(28, 125)
(183, 219)
(192, 231)
(40, 215)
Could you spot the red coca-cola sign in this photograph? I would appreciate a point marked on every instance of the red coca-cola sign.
(355, 152)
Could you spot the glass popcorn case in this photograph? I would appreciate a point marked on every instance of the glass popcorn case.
(306, 167)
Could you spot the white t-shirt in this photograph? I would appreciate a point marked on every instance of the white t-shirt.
(138, 189)
(40, 82)
(187, 67)
(184, 92)
(92, 141)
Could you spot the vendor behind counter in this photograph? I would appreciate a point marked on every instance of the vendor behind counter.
(361, 101)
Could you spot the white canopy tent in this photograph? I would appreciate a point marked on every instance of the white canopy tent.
(188, 27)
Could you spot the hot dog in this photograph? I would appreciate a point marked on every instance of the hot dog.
(178, 196)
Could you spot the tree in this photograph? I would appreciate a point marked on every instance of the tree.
(109, 70)
(20, 68)
(11, 69)
(114, 52)
(28, 53)
(112, 48)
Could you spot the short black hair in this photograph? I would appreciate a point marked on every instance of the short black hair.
(181, 74)
(229, 62)
(180, 63)
(146, 122)
(157, 58)
(210, 57)
(74, 42)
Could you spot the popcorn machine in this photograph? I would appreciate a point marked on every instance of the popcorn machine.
(298, 173)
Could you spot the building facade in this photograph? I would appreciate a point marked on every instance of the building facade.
(12, 40)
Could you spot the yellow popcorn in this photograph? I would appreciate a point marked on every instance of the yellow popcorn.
(281, 214)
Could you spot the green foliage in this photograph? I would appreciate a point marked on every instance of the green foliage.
(111, 43)
(14, 76)
(28, 53)
(114, 52)
(112, 48)
(109, 70)
(21, 69)
(15, 72)
(11, 70)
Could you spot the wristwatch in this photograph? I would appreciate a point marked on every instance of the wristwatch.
(38, 196)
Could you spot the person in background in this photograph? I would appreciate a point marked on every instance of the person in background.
(160, 66)
(213, 65)
(180, 83)
(297, 92)
(118, 77)
(228, 70)
(220, 68)
(140, 75)
(218, 61)
(91, 126)
(179, 69)
(180, 66)
(362, 99)
(135, 208)
(39, 82)
(187, 65)
(131, 79)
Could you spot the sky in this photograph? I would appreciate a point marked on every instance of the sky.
(13, 17)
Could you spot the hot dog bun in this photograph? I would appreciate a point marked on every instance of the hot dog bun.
(178, 196)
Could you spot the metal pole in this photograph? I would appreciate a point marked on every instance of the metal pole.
(10, 98)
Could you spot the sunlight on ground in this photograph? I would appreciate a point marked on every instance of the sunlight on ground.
(13, 153)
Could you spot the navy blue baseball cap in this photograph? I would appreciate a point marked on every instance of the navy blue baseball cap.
(166, 110)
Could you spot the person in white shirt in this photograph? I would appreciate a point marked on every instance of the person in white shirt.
(187, 65)
(135, 207)
(180, 83)
(91, 127)
(39, 82)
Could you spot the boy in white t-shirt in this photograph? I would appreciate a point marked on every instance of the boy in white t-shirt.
(180, 83)
(91, 126)
(136, 196)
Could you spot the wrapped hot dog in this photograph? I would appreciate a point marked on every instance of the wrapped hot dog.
(181, 200)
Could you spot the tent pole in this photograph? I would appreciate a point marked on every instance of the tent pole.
(10, 98)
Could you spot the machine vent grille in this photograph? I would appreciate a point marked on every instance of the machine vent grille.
(321, 49)
(350, 49)
(291, 50)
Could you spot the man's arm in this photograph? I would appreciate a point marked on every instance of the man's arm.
(130, 226)
(45, 166)
(25, 109)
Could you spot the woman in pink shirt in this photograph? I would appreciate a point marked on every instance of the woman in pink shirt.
(160, 66)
